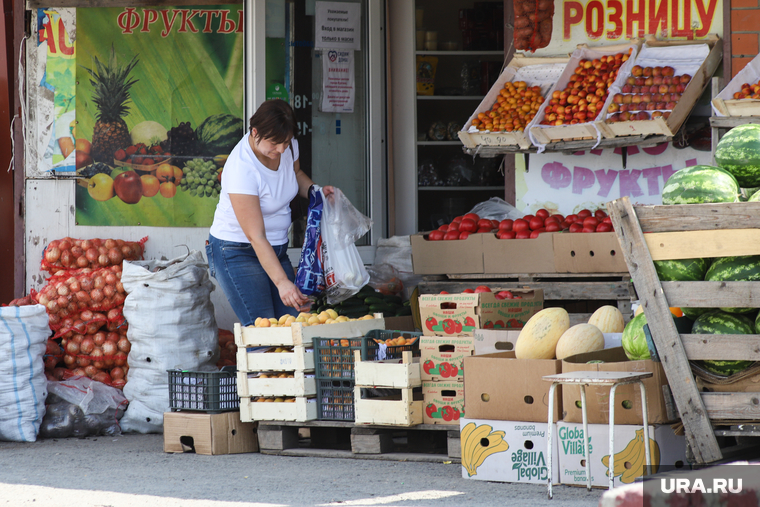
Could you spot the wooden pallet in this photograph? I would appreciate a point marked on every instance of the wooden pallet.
(339, 439)
(681, 232)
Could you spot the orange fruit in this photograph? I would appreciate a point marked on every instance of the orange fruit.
(168, 189)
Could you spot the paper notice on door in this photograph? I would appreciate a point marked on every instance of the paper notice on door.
(338, 90)
(338, 25)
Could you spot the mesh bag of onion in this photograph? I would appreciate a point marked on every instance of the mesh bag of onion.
(101, 356)
(68, 253)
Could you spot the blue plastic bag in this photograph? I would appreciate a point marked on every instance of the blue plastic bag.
(310, 278)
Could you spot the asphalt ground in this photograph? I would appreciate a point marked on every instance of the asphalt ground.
(133, 470)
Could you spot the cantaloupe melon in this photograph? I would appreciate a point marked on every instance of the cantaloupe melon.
(579, 339)
(538, 339)
(608, 319)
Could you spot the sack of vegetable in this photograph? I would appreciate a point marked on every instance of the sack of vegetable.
(67, 253)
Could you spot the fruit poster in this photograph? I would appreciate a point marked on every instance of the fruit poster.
(159, 106)
(566, 184)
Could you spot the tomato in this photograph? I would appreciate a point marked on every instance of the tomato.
(565, 225)
(468, 291)
(430, 409)
(506, 235)
(542, 213)
(449, 327)
(559, 217)
(528, 218)
(553, 218)
(553, 227)
(506, 294)
(472, 216)
(483, 231)
(447, 413)
(522, 234)
(482, 288)
(607, 220)
(430, 322)
(457, 220)
(436, 235)
(498, 296)
(444, 227)
(534, 234)
(506, 224)
(457, 329)
(576, 228)
(604, 227)
(600, 214)
(520, 225)
(570, 218)
(453, 226)
(536, 223)
(442, 292)
(443, 368)
(590, 222)
(579, 219)
(584, 213)
(468, 225)
(484, 223)
(451, 235)
(588, 229)
(494, 224)
(469, 321)
(464, 234)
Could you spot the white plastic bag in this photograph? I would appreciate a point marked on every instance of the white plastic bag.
(496, 209)
(24, 332)
(171, 325)
(342, 225)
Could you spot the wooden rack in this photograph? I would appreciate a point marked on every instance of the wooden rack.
(684, 232)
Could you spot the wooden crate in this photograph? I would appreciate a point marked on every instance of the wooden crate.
(724, 104)
(301, 359)
(298, 334)
(299, 385)
(401, 373)
(517, 139)
(388, 411)
(303, 409)
(700, 80)
(543, 134)
(681, 232)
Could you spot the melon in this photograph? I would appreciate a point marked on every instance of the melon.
(700, 184)
(738, 152)
(580, 339)
(538, 338)
(608, 319)
(149, 133)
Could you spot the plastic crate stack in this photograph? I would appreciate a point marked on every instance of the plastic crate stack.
(275, 379)
(203, 391)
(335, 367)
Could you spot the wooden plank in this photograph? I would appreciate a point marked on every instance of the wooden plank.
(298, 334)
(371, 441)
(299, 385)
(711, 243)
(277, 438)
(736, 406)
(712, 294)
(699, 433)
(301, 359)
(392, 412)
(552, 290)
(570, 146)
(391, 373)
(696, 217)
(302, 409)
(729, 122)
(727, 347)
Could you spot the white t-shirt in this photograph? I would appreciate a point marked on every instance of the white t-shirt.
(244, 174)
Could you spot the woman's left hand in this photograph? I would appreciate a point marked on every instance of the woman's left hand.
(328, 190)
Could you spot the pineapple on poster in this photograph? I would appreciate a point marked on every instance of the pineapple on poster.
(159, 106)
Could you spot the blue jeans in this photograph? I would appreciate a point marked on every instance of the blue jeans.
(245, 283)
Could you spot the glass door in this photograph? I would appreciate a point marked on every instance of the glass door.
(344, 149)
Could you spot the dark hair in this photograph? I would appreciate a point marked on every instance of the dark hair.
(274, 121)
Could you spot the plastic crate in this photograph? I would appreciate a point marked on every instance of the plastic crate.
(335, 356)
(204, 391)
(335, 399)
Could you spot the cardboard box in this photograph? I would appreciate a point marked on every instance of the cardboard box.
(461, 314)
(629, 446)
(501, 256)
(588, 253)
(489, 341)
(509, 313)
(660, 405)
(724, 104)
(209, 433)
(463, 256)
(448, 350)
(405, 323)
(443, 402)
(525, 461)
(500, 387)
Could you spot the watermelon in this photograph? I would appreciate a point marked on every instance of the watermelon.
(218, 134)
(700, 184)
(634, 339)
(682, 270)
(754, 197)
(738, 152)
(757, 324)
(747, 194)
(719, 322)
(693, 313)
(744, 268)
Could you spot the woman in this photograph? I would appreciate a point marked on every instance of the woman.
(247, 247)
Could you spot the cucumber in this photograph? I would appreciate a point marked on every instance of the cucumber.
(403, 311)
(390, 298)
(374, 301)
(365, 291)
(351, 302)
(381, 308)
(351, 311)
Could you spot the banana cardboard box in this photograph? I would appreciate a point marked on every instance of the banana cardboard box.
(665, 447)
(506, 451)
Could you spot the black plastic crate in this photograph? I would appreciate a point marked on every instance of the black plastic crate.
(204, 391)
(335, 356)
(335, 399)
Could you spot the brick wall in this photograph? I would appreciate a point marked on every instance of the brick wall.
(745, 32)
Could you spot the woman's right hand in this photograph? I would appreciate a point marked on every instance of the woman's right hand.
(291, 296)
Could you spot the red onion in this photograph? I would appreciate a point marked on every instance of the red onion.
(124, 345)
